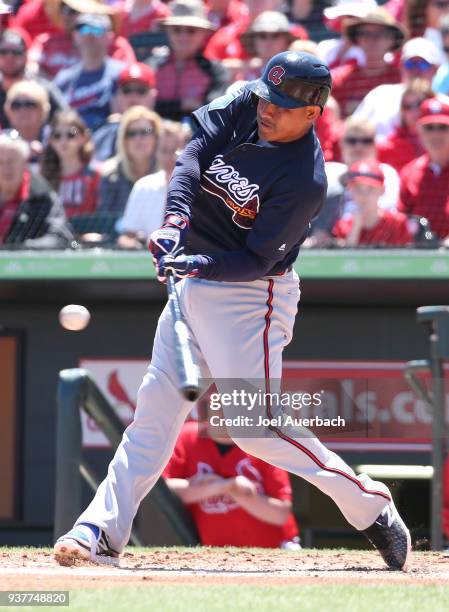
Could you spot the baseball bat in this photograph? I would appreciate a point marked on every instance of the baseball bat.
(186, 367)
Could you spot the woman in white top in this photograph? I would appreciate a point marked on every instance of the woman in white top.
(146, 204)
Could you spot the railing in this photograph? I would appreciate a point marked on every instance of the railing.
(77, 389)
(436, 318)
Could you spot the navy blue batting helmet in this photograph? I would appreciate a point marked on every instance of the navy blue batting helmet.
(293, 79)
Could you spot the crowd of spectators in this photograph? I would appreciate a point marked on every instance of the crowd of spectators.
(96, 99)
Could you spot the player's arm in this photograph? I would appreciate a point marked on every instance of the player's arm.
(282, 224)
(194, 490)
(263, 507)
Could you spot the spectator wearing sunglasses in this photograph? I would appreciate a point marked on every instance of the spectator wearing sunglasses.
(136, 156)
(378, 34)
(185, 79)
(88, 87)
(357, 144)
(13, 68)
(440, 83)
(66, 164)
(404, 144)
(146, 204)
(136, 86)
(54, 52)
(31, 215)
(269, 34)
(27, 107)
(382, 105)
(424, 188)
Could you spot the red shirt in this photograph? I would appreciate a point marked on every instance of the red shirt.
(192, 82)
(446, 499)
(79, 192)
(424, 191)
(144, 23)
(225, 42)
(9, 208)
(399, 148)
(33, 18)
(350, 84)
(391, 229)
(220, 520)
(55, 52)
(328, 131)
(236, 12)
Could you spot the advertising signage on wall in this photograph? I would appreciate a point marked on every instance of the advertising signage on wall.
(350, 405)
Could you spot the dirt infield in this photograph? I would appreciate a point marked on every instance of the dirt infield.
(36, 569)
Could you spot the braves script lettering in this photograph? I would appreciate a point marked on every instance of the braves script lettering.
(224, 181)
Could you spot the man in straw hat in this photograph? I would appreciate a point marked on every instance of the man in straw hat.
(377, 34)
(185, 78)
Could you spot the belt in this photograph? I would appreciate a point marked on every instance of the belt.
(286, 271)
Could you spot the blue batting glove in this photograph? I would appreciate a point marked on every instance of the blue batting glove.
(181, 266)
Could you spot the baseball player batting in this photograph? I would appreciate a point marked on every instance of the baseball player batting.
(239, 202)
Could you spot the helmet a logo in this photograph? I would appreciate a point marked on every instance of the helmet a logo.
(275, 75)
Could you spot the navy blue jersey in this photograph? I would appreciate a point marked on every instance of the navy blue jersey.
(242, 195)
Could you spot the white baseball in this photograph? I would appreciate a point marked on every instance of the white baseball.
(74, 317)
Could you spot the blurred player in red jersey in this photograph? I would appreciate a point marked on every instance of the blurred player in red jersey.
(369, 224)
(235, 499)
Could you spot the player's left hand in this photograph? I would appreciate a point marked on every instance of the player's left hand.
(181, 266)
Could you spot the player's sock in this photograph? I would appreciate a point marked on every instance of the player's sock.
(93, 528)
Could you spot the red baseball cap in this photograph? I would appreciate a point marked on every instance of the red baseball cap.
(367, 172)
(433, 110)
(137, 72)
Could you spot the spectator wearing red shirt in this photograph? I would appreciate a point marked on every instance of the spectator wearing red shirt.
(223, 13)
(235, 499)
(424, 182)
(377, 34)
(37, 17)
(185, 79)
(404, 144)
(137, 16)
(369, 224)
(30, 212)
(66, 164)
(225, 44)
(54, 52)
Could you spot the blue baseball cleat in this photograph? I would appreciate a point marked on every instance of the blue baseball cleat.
(82, 544)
